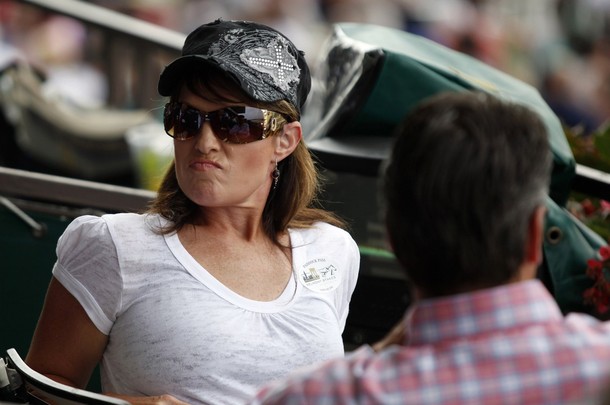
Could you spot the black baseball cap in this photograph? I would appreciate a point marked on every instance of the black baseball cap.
(265, 64)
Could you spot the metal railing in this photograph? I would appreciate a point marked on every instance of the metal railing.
(74, 192)
(592, 182)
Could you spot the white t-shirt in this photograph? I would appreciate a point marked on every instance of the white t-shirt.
(174, 329)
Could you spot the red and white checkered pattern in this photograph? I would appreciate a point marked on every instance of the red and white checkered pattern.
(506, 345)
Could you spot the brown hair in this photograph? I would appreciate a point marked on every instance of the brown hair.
(292, 204)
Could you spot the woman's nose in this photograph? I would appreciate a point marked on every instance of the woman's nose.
(206, 140)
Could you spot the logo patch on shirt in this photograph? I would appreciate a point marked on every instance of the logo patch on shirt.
(320, 275)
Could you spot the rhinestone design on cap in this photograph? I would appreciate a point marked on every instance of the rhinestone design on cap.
(275, 60)
(262, 62)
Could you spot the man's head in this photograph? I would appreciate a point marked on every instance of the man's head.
(466, 177)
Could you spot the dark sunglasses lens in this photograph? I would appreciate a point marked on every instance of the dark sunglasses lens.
(180, 122)
(169, 118)
(238, 124)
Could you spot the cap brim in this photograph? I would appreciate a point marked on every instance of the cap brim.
(179, 68)
(175, 71)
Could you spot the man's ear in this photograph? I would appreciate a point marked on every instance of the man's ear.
(533, 248)
(288, 140)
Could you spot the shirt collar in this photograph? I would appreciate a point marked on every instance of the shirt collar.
(499, 308)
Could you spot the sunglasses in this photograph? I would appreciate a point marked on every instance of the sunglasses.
(237, 124)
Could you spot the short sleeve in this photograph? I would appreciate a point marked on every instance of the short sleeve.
(352, 260)
(87, 266)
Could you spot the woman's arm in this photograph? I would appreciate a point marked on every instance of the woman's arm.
(396, 336)
(159, 400)
(66, 345)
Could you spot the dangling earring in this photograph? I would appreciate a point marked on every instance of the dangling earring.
(275, 175)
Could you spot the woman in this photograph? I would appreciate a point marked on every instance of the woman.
(232, 278)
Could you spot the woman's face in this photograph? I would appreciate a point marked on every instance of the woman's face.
(213, 173)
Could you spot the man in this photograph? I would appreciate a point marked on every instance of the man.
(465, 193)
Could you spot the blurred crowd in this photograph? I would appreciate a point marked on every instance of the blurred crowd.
(562, 47)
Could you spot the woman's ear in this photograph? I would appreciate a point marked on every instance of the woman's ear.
(289, 139)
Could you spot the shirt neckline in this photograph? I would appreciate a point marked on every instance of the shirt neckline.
(192, 266)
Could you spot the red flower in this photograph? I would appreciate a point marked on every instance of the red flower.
(594, 268)
(587, 207)
(598, 295)
(604, 207)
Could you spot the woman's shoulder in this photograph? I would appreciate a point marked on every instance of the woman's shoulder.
(91, 234)
(105, 226)
(90, 222)
(323, 231)
(131, 220)
(326, 227)
(85, 226)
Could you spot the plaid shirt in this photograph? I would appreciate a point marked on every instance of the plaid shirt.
(506, 345)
